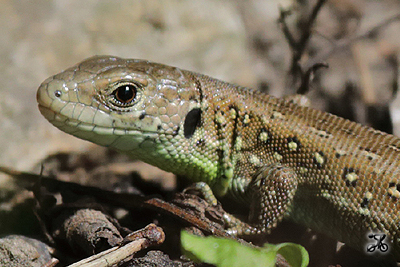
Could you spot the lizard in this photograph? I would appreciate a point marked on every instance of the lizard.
(281, 159)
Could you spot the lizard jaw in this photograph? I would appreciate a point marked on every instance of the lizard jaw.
(101, 135)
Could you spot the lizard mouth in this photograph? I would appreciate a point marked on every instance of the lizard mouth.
(87, 130)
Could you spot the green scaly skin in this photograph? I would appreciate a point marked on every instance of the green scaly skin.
(284, 160)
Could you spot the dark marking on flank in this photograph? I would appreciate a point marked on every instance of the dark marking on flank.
(364, 203)
(198, 86)
(192, 121)
(141, 117)
(365, 148)
(235, 125)
(324, 135)
(353, 184)
(201, 142)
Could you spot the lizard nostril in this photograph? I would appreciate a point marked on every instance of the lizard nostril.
(57, 93)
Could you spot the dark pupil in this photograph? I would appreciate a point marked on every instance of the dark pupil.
(125, 93)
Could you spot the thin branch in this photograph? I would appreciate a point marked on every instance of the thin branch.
(285, 28)
(298, 47)
(306, 33)
(345, 43)
(307, 77)
(152, 235)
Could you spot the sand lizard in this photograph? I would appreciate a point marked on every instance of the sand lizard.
(284, 160)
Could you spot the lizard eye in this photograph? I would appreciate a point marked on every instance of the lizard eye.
(124, 94)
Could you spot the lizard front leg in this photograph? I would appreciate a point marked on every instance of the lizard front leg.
(271, 193)
(272, 190)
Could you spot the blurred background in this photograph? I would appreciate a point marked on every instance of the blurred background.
(242, 42)
(236, 41)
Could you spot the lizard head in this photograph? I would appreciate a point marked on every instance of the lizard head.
(148, 110)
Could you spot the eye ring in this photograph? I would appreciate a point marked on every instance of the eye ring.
(124, 94)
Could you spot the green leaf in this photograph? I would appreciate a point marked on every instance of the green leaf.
(227, 252)
(294, 254)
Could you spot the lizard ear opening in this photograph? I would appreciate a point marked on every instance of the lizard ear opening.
(192, 120)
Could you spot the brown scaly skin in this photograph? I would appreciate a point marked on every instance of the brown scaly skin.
(335, 176)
